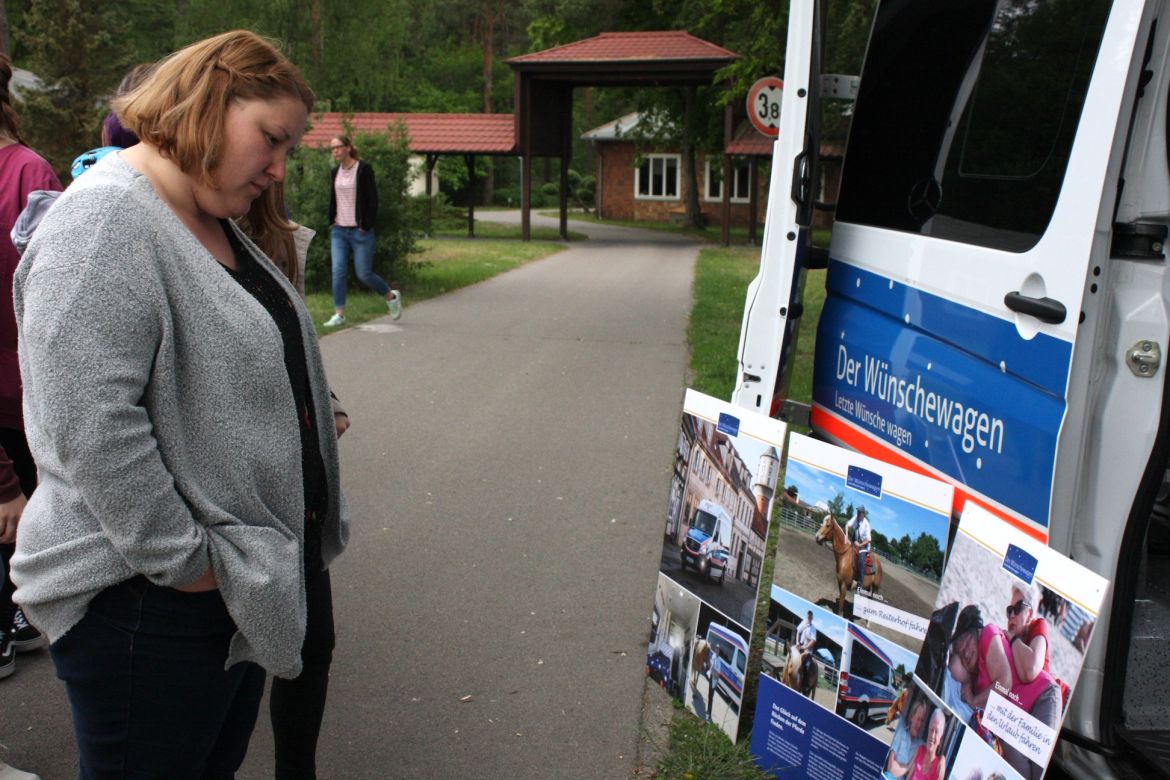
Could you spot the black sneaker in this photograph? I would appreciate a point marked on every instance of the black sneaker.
(25, 637)
(7, 654)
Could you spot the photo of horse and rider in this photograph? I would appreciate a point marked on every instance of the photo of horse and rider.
(993, 646)
(802, 647)
(841, 513)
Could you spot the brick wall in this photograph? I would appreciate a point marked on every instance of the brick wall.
(615, 191)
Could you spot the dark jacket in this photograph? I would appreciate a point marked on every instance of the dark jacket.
(367, 196)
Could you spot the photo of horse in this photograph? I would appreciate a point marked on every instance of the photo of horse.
(861, 538)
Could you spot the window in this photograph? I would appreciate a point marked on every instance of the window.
(741, 181)
(864, 664)
(657, 177)
(973, 146)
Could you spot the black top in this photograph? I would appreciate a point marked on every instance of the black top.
(275, 300)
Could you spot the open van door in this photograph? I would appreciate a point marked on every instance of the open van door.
(972, 231)
(767, 340)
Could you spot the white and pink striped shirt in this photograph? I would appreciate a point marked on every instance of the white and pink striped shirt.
(345, 187)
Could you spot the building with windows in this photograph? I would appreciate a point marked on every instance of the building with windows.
(716, 472)
(639, 181)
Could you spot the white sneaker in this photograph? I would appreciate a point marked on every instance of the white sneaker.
(334, 321)
(12, 773)
(394, 304)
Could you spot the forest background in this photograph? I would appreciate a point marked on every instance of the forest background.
(404, 56)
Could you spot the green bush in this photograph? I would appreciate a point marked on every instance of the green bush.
(581, 189)
(507, 196)
(426, 215)
(307, 188)
(510, 196)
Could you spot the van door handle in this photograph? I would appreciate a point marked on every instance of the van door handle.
(1043, 309)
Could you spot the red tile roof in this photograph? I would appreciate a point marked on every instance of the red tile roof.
(750, 142)
(625, 46)
(428, 133)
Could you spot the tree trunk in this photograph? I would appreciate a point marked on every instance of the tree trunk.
(693, 217)
(4, 47)
(318, 36)
(492, 11)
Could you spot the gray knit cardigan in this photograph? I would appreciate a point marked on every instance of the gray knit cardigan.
(159, 411)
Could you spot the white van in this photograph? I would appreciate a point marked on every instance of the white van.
(707, 545)
(865, 688)
(997, 304)
(729, 654)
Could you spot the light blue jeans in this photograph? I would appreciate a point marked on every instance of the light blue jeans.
(361, 243)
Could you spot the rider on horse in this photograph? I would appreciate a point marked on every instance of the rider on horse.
(858, 531)
(806, 641)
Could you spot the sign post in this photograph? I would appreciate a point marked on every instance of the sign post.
(763, 105)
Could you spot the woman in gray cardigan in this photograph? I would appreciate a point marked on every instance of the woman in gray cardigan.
(179, 413)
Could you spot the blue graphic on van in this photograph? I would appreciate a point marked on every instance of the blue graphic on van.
(1020, 563)
(987, 415)
(728, 424)
(864, 480)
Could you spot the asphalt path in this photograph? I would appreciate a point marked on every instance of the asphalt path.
(507, 469)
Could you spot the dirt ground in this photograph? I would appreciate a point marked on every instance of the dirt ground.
(810, 571)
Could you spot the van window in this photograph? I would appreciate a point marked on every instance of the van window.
(864, 664)
(966, 117)
(725, 649)
(705, 522)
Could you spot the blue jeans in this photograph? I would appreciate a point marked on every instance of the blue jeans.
(361, 244)
(144, 672)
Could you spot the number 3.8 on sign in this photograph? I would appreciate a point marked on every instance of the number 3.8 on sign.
(767, 108)
(763, 104)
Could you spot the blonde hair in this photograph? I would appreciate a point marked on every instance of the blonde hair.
(180, 107)
(267, 224)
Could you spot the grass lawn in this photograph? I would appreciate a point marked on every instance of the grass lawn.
(442, 265)
(722, 275)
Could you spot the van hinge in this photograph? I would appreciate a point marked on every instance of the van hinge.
(837, 86)
(1138, 240)
(1144, 358)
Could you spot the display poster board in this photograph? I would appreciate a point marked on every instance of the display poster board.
(1004, 648)
(970, 698)
(839, 655)
(724, 481)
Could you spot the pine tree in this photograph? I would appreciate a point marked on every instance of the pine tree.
(75, 48)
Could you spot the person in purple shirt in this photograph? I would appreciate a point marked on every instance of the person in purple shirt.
(21, 171)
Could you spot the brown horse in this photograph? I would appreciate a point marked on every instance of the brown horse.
(699, 657)
(846, 556)
(796, 677)
(897, 707)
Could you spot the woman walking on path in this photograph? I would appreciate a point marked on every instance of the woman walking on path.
(178, 409)
(353, 209)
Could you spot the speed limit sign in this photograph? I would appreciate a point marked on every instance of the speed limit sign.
(763, 104)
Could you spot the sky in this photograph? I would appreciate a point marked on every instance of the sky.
(889, 515)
